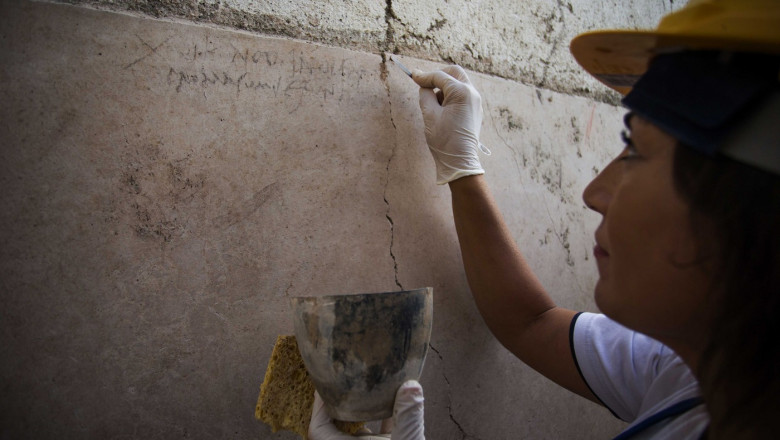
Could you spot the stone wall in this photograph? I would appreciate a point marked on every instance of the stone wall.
(174, 172)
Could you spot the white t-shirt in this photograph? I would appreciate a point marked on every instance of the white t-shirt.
(636, 377)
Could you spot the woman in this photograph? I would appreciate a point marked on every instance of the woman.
(687, 251)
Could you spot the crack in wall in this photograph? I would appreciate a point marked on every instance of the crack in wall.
(463, 433)
(389, 30)
(389, 43)
(389, 39)
(387, 184)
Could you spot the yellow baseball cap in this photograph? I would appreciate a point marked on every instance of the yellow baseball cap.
(618, 58)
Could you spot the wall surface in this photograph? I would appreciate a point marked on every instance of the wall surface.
(526, 41)
(168, 186)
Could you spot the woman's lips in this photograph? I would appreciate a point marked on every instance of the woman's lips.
(599, 252)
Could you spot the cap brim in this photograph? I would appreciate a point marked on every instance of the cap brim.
(619, 58)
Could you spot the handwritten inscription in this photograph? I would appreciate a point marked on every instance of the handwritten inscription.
(294, 73)
(206, 79)
(270, 58)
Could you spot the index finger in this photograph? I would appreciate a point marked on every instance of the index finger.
(457, 72)
(439, 78)
(432, 80)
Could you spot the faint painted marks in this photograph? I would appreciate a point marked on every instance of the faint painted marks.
(135, 169)
(513, 122)
(262, 196)
(504, 114)
(154, 225)
(590, 122)
(183, 185)
(157, 192)
(547, 169)
(576, 135)
(131, 183)
(564, 238)
(150, 50)
(259, 199)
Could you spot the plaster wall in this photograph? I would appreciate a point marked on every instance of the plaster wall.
(167, 186)
(526, 41)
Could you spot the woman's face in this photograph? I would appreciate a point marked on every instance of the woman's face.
(645, 250)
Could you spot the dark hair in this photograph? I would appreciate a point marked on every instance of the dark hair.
(735, 212)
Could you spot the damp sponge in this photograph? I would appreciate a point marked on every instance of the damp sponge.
(287, 392)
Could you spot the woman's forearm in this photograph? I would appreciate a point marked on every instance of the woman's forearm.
(507, 293)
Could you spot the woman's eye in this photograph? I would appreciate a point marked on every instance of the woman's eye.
(629, 149)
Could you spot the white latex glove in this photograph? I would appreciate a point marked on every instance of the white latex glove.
(452, 118)
(407, 418)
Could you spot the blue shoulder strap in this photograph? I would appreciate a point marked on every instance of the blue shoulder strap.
(676, 409)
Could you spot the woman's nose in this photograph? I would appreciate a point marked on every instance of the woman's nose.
(598, 193)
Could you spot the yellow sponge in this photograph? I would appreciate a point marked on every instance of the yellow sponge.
(287, 392)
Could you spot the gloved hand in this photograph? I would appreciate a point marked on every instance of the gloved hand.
(407, 417)
(452, 120)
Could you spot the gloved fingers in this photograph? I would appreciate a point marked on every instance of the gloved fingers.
(456, 87)
(387, 426)
(409, 395)
(423, 79)
(457, 72)
(451, 88)
(318, 414)
(408, 412)
(437, 79)
(429, 103)
(438, 94)
(321, 426)
(430, 107)
(407, 415)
